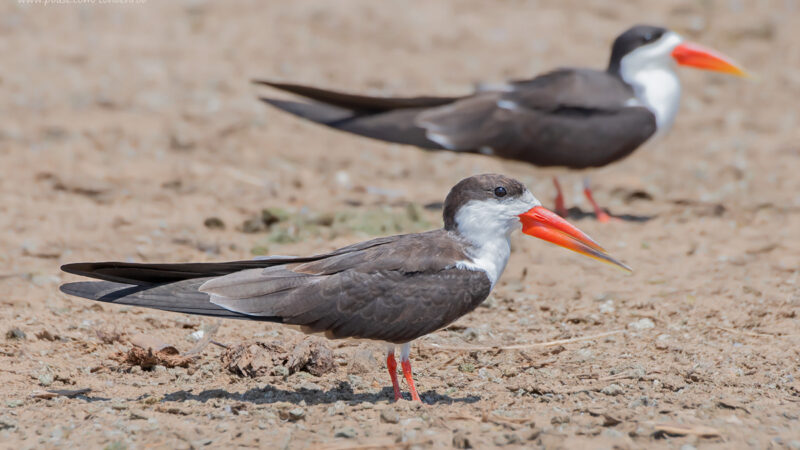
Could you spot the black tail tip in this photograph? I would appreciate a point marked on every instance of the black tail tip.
(263, 82)
(71, 267)
(80, 268)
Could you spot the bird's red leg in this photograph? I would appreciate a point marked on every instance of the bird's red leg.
(391, 364)
(601, 215)
(561, 210)
(406, 363)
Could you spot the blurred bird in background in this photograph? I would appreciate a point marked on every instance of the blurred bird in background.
(576, 118)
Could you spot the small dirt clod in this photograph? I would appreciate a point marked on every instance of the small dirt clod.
(255, 359)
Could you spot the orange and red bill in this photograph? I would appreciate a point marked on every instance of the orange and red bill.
(697, 56)
(544, 224)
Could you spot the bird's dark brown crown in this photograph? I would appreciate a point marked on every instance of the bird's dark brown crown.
(478, 187)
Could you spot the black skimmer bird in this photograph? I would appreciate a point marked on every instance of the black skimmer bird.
(392, 289)
(575, 118)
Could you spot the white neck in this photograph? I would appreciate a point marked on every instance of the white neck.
(487, 226)
(491, 257)
(660, 92)
(650, 71)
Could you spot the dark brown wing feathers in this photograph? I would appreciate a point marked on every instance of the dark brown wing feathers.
(571, 88)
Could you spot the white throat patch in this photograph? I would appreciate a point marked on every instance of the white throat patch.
(487, 225)
(650, 69)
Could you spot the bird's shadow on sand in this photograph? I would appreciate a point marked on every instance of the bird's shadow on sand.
(343, 392)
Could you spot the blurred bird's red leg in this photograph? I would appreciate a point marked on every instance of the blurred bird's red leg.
(561, 210)
(391, 364)
(601, 215)
(406, 363)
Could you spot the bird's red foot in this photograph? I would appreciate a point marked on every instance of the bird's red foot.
(603, 216)
(599, 213)
(410, 380)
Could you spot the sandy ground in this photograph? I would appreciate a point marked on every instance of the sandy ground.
(125, 127)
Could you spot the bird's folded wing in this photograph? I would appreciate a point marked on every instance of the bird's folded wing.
(498, 121)
(570, 89)
(394, 306)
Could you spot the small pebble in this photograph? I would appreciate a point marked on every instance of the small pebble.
(460, 439)
(529, 433)
(585, 355)
(15, 333)
(559, 420)
(612, 389)
(309, 386)
(641, 401)
(214, 223)
(500, 440)
(46, 379)
(642, 324)
(346, 432)
(356, 381)
(297, 414)
(280, 371)
(389, 415)
(196, 336)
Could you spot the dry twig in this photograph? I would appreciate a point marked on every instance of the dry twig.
(473, 348)
(678, 429)
(755, 334)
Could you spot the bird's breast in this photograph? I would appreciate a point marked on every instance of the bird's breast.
(660, 91)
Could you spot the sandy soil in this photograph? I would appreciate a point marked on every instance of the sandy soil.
(126, 127)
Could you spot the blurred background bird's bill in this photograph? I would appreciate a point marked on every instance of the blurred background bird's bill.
(132, 131)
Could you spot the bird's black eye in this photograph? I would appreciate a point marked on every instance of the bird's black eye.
(648, 37)
(500, 191)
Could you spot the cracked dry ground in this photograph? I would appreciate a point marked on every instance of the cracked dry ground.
(132, 133)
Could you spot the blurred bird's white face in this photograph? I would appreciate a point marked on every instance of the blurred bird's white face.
(655, 55)
(650, 70)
